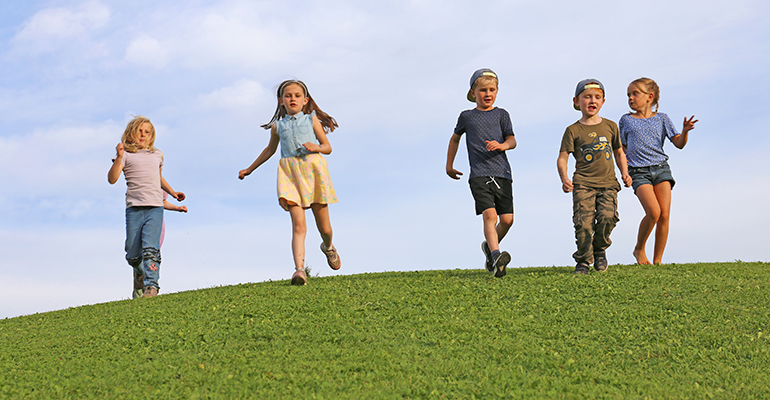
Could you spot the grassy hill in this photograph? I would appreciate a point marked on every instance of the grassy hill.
(671, 331)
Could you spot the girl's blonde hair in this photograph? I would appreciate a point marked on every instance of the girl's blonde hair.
(328, 123)
(647, 86)
(131, 129)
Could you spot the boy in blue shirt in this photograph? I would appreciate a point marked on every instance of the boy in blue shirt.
(489, 134)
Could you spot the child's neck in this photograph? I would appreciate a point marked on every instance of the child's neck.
(490, 108)
(644, 113)
(591, 120)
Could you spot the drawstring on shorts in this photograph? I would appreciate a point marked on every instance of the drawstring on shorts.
(492, 180)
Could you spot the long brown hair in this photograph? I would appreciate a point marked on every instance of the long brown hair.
(328, 123)
(131, 129)
(647, 86)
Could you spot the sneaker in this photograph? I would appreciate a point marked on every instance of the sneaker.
(299, 278)
(150, 291)
(499, 264)
(581, 269)
(332, 257)
(488, 254)
(600, 261)
(138, 285)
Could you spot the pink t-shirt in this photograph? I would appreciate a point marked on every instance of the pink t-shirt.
(142, 171)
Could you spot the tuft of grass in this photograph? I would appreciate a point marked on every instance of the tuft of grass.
(671, 331)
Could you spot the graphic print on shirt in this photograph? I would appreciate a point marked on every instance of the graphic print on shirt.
(595, 149)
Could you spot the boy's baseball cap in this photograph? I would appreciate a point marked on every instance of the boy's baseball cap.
(476, 75)
(587, 84)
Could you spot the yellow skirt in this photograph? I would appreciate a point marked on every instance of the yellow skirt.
(304, 182)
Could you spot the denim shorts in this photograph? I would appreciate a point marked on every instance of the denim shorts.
(492, 192)
(651, 175)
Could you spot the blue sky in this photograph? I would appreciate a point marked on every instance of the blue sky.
(394, 75)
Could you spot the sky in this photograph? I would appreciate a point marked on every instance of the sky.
(394, 75)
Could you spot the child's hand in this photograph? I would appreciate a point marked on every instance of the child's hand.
(181, 209)
(493, 145)
(312, 147)
(627, 180)
(689, 124)
(566, 186)
(453, 173)
(119, 149)
(243, 173)
(179, 196)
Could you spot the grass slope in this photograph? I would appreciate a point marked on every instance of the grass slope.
(676, 331)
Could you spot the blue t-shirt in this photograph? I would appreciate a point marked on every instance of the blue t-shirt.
(483, 126)
(644, 138)
(294, 130)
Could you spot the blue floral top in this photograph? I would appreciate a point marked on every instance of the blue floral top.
(294, 130)
(644, 138)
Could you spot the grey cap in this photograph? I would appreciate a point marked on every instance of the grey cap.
(587, 84)
(476, 75)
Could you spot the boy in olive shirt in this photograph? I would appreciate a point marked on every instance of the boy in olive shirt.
(592, 141)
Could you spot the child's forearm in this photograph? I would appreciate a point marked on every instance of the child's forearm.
(114, 173)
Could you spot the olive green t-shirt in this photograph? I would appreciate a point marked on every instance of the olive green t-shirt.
(592, 146)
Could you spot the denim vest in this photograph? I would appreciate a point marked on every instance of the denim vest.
(294, 130)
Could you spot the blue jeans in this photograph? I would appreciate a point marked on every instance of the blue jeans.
(143, 226)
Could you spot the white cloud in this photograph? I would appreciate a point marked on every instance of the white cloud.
(51, 28)
(147, 51)
(243, 93)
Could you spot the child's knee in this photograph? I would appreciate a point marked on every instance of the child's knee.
(151, 254)
(506, 220)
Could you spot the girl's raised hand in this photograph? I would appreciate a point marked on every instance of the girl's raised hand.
(119, 149)
(689, 124)
(179, 196)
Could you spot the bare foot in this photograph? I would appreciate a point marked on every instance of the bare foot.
(641, 257)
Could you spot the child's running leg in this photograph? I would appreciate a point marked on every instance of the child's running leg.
(652, 211)
(324, 225)
(299, 231)
(503, 226)
(663, 195)
(491, 229)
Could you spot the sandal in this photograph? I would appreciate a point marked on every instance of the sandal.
(299, 278)
(332, 257)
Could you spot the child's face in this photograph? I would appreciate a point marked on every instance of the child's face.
(293, 98)
(590, 101)
(638, 100)
(485, 94)
(143, 136)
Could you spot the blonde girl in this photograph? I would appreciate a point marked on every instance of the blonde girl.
(643, 133)
(301, 127)
(142, 164)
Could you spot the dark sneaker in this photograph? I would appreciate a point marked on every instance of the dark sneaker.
(581, 269)
(150, 291)
(488, 254)
(500, 263)
(332, 257)
(138, 284)
(600, 261)
(299, 278)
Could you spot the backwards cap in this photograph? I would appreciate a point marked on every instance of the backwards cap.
(476, 75)
(587, 84)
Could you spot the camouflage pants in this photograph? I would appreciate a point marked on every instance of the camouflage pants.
(595, 214)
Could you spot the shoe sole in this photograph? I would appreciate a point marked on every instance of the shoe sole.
(298, 280)
(501, 263)
(328, 261)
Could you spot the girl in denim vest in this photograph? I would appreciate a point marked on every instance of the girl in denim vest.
(300, 126)
(643, 134)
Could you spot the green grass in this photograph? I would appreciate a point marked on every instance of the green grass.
(672, 331)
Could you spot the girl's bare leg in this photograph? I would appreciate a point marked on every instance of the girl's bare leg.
(299, 231)
(323, 223)
(646, 195)
(663, 196)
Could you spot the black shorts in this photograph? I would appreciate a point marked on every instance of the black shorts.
(492, 192)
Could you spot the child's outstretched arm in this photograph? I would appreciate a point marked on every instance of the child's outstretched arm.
(454, 144)
(324, 147)
(179, 196)
(265, 155)
(620, 160)
(561, 166)
(681, 139)
(117, 165)
(172, 207)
